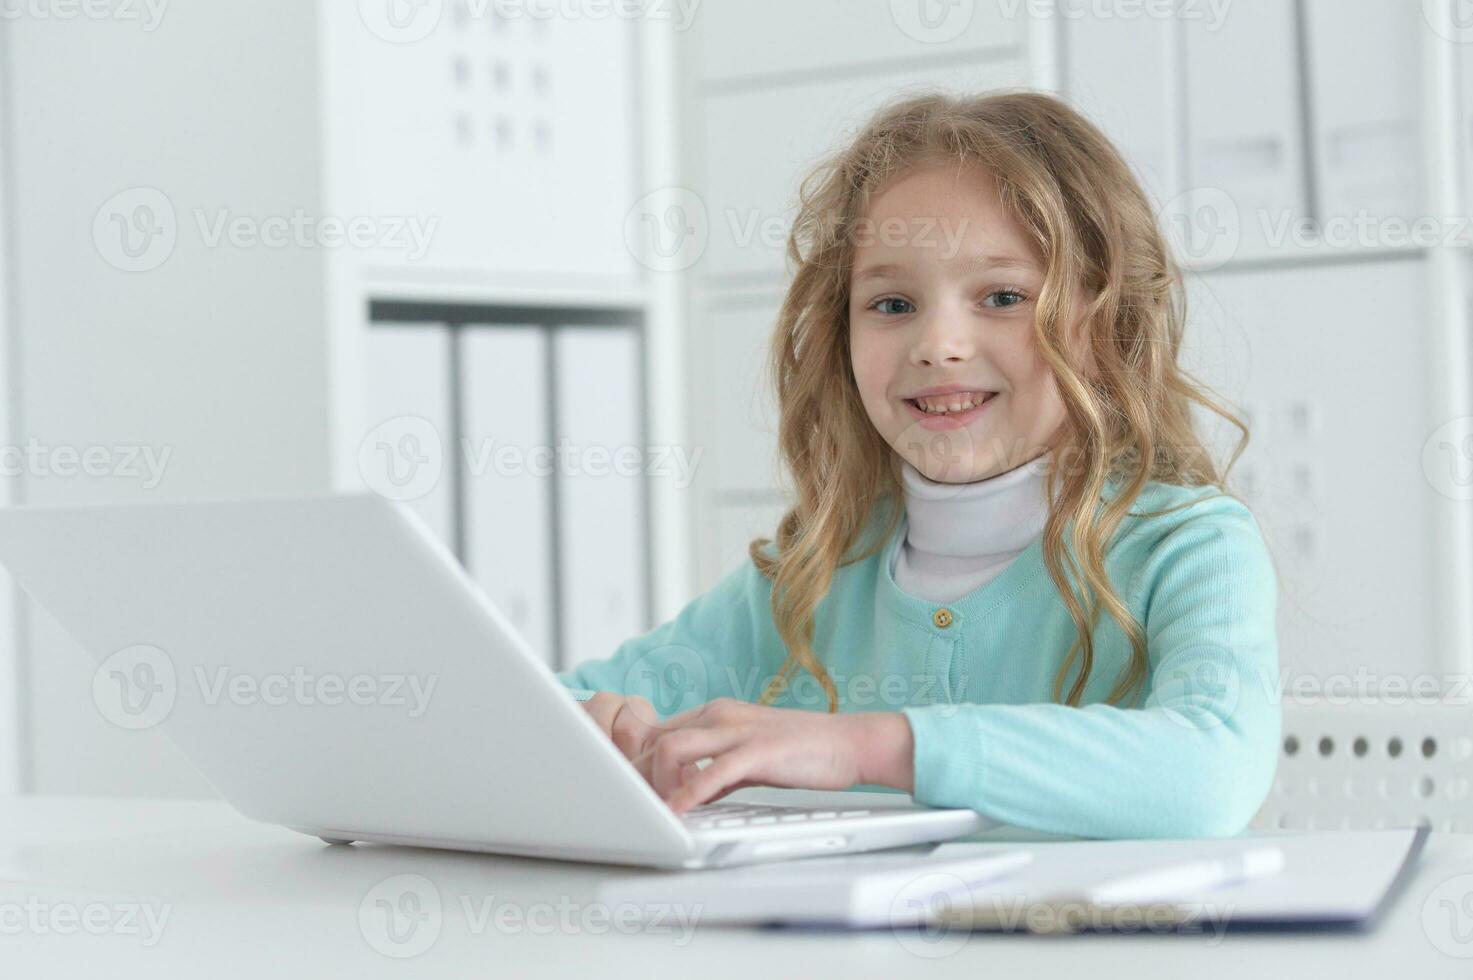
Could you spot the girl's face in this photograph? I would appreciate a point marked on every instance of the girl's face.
(941, 307)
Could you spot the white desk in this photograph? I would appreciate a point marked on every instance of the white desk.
(245, 899)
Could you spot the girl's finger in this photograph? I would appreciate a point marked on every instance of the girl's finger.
(717, 779)
(630, 732)
(686, 718)
(602, 708)
(671, 752)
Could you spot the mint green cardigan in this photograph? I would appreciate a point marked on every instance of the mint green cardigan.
(1191, 755)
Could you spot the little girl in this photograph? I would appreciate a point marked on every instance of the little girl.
(976, 368)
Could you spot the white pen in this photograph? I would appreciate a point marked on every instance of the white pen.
(1186, 877)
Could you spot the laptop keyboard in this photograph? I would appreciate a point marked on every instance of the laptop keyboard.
(724, 816)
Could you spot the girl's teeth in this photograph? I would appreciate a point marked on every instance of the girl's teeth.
(935, 406)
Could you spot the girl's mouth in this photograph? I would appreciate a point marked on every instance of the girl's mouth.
(949, 411)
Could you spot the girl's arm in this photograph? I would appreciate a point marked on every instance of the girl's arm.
(1197, 759)
(717, 646)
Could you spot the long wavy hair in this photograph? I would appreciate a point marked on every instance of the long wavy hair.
(1128, 420)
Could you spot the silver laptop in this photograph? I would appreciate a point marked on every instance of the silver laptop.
(328, 666)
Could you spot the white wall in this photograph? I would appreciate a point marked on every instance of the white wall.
(13, 751)
(216, 356)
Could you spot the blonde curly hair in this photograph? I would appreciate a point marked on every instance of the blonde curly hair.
(1129, 420)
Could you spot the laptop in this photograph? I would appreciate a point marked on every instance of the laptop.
(328, 665)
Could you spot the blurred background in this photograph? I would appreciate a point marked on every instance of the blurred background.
(516, 263)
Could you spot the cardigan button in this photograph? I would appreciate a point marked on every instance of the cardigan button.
(942, 617)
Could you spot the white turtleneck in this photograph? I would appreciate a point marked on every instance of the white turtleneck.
(960, 536)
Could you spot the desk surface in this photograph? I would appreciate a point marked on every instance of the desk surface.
(125, 888)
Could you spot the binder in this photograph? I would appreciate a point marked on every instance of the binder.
(1365, 87)
(1243, 121)
(507, 493)
(407, 377)
(1118, 72)
(602, 545)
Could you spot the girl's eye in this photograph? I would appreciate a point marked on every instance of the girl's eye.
(1005, 297)
(892, 306)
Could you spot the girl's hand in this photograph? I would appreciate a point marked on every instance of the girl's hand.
(756, 745)
(630, 722)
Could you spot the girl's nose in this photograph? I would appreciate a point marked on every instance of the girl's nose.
(942, 340)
